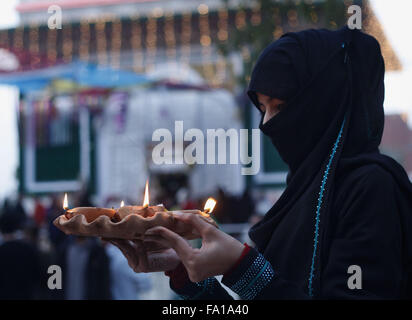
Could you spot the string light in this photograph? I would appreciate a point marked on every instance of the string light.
(314, 16)
(169, 30)
(186, 35)
(151, 41)
(51, 44)
(222, 35)
(240, 19)
(136, 43)
(116, 43)
(222, 24)
(101, 41)
(205, 42)
(67, 43)
(256, 18)
(157, 12)
(293, 18)
(278, 24)
(18, 38)
(203, 9)
(84, 50)
(4, 38)
(221, 70)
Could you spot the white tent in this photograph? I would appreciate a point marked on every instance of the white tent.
(125, 157)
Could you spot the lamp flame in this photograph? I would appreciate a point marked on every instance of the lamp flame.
(209, 205)
(65, 202)
(146, 195)
(121, 204)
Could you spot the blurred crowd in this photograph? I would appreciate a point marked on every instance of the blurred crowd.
(90, 268)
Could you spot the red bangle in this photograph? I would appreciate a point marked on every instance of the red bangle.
(245, 251)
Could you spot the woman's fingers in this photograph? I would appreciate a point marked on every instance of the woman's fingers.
(156, 243)
(204, 228)
(125, 246)
(182, 248)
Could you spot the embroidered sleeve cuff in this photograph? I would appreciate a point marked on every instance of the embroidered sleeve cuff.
(251, 276)
(199, 290)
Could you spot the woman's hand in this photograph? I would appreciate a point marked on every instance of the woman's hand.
(219, 251)
(147, 256)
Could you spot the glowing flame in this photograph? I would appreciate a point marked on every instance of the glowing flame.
(146, 195)
(209, 205)
(122, 204)
(65, 202)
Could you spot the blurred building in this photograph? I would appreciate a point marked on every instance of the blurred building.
(397, 140)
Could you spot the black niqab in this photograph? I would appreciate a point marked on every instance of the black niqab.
(332, 82)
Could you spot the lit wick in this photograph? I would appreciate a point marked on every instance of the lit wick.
(146, 195)
(65, 202)
(147, 211)
(122, 204)
(209, 206)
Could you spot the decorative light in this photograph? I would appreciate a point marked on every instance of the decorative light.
(203, 9)
(116, 43)
(84, 40)
(4, 38)
(136, 43)
(205, 41)
(67, 43)
(293, 18)
(151, 41)
(101, 41)
(186, 37)
(170, 37)
(157, 12)
(51, 46)
(18, 38)
(222, 24)
(256, 18)
(240, 19)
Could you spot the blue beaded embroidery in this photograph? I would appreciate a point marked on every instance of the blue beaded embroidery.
(318, 207)
(258, 275)
(207, 285)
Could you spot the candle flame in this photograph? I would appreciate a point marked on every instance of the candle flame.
(122, 204)
(209, 205)
(65, 202)
(146, 195)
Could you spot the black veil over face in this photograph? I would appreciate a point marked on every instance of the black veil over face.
(309, 71)
(333, 85)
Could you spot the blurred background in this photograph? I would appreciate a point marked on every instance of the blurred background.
(79, 105)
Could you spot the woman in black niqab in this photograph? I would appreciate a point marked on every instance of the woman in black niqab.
(345, 203)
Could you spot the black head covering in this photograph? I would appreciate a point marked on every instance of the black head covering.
(332, 82)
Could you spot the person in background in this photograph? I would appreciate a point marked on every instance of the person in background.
(125, 283)
(21, 274)
(39, 213)
(245, 208)
(56, 236)
(85, 270)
